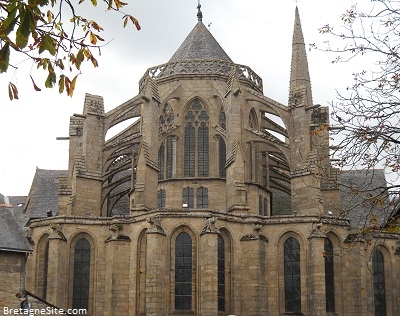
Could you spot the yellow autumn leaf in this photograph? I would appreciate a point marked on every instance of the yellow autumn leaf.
(72, 86)
(93, 38)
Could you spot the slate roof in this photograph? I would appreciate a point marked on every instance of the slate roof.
(199, 44)
(12, 237)
(357, 187)
(43, 195)
(17, 207)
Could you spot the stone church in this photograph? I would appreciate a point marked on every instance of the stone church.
(216, 200)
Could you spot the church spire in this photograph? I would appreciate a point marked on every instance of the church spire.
(299, 74)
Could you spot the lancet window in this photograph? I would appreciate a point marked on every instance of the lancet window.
(329, 277)
(43, 251)
(188, 197)
(202, 197)
(292, 275)
(221, 274)
(166, 158)
(378, 268)
(196, 140)
(161, 197)
(183, 272)
(221, 157)
(81, 280)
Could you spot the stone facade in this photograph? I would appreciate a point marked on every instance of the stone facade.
(207, 204)
(12, 274)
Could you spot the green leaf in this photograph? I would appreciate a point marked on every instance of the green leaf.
(51, 80)
(94, 2)
(79, 58)
(9, 23)
(24, 29)
(43, 3)
(47, 44)
(61, 83)
(38, 2)
(4, 57)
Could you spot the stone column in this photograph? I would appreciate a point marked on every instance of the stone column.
(252, 285)
(316, 273)
(156, 268)
(208, 266)
(57, 278)
(118, 272)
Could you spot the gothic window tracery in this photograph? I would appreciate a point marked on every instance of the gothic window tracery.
(188, 197)
(81, 281)
(202, 198)
(183, 272)
(253, 122)
(166, 158)
(292, 275)
(378, 268)
(221, 157)
(329, 277)
(161, 197)
(196, 139)
(221, 274)
(161, 162)
(166, 118)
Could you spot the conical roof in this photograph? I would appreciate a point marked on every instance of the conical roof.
(199, 44)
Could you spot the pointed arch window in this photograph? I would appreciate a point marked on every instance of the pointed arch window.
(221, 274)
(161, 197)
(188, 197)
(378, 268)
(183, 272)
(292, 275)
(203, 150)
(202, 198)
(81, 278)
(46, 269)
(253, 120)
(222, 157)
(43, 251)
(260, 205)
(190, 150)
(329, 277)
(196, 139)
(161, 162)
(166, 158)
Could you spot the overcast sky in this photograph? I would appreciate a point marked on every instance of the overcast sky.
(256, 33)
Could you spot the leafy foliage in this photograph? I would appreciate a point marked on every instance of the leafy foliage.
(368, 112)
(53, 36)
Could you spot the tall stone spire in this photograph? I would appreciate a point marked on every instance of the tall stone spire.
(299, 74)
